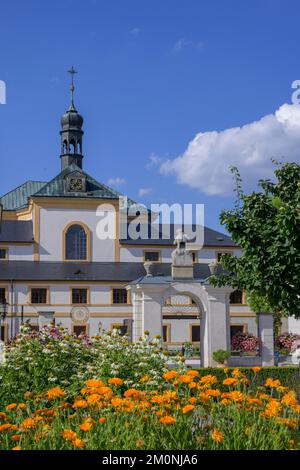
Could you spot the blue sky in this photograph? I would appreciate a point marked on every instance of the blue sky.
(152, 75)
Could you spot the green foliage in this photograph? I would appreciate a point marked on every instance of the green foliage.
(266, 225)
(221, 356)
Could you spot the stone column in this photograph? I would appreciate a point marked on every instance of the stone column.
(215, 326)
(147, 309)
(266, 337)
(152, 311)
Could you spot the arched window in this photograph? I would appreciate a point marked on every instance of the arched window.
(76, 243)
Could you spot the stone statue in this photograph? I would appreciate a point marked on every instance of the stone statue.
(181, 256)
(182, 259)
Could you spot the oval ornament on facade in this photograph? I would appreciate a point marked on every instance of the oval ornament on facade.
(80, 314)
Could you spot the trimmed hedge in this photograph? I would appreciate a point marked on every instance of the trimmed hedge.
(289, 376)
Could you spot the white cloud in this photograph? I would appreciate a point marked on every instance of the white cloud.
(144, 191)
(116, 181)
(135, 31)
(154, 160)
(205, 163)
(183, 43)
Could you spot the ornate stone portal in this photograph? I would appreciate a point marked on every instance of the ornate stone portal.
(150, 293)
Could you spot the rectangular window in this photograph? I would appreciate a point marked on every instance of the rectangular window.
(119, 296)
(195, 256)
(3, 253)
(79, 296)
(166, 334)
(152, 256)
(38, 295)
(195, 333)
(234, 329)
(2, 333)
(3, 299)
(221, 253)
(79, 330)
(236, 297)
(122, 328)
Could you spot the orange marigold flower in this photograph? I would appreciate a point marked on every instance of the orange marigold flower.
(236, 373)
(145, 378)
(16, 437)
(94, 398)
(186, 379)
(236, 396)
(17, 448)
(28, 423)
(22, 406)
(68, 434)
(94, 383)
(11, 406)
(157, 399)
(132, 392)
(192, 385)
(217, 436)
(102, 420)
(5, 427)
(55, 392)
(167, 420)
(78, 443)
(172, 374)
(115, 381)
(272, 410)
(106, 391)
(272, 383)
(193, 373)
(80, 404)
(230, 381)
(139, 443)
(289, 399)
(213, 393)
(85, 426)
(256, 369)
(3, 416)
(187, 408)
(193, 400)
(117, 402)
(208, 379)
(255, 401)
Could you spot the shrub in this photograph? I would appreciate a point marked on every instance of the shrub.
(244, 342)
(221, 356)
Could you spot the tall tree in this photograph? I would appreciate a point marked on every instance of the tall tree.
(266, 225)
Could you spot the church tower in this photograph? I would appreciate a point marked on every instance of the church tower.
(71, 133)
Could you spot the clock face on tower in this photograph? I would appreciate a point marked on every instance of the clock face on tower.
(76, 184)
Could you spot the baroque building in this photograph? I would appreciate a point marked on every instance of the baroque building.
(54, 266)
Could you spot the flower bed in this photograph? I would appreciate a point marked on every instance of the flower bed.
(62, 392)
(188, 411)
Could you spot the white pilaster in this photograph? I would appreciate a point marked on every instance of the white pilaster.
(266, 336)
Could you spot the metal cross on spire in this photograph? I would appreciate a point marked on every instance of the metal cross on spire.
(72, 72)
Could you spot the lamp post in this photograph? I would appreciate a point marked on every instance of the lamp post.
(3, 314)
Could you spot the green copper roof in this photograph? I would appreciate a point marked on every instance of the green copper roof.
(18, 197)
(58, 188)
